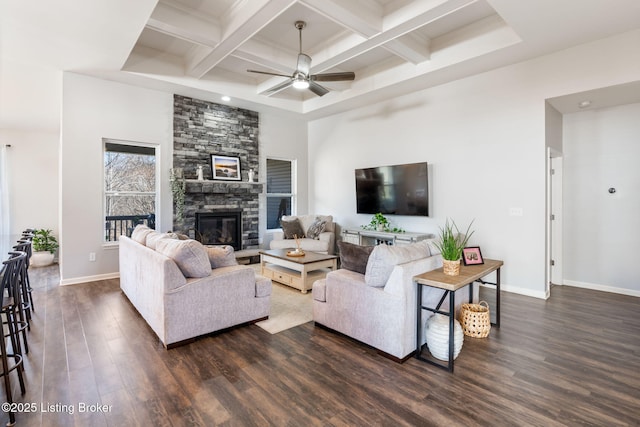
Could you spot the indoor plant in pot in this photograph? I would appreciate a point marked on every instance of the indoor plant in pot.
(451, 244)
(44, 245)
(380, 222)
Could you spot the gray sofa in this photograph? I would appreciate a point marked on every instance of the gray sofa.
(324, 242)
(378, 307)
(180, 308)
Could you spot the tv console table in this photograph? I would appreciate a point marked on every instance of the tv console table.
(371, 238)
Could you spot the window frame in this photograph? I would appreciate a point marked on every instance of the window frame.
(156, 148)
(292, 195)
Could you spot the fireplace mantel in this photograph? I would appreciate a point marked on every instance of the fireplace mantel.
(194, 186)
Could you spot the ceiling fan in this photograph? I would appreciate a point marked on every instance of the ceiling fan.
(301, 79)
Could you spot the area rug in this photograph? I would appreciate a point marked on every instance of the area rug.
(289, 308)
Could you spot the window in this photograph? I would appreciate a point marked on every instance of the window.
(129, 187)
(280, 191)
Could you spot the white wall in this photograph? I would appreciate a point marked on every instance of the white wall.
(33, 179)
(93, 109)
(283, 136)
(485, 139)
(601, 150)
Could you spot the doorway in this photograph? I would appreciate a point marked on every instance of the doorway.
(554, 220)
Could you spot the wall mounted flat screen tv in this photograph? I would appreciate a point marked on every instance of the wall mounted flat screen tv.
(393, 190)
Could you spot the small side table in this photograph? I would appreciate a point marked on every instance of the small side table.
(449, 284)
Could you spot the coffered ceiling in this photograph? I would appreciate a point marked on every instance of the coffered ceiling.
(205, 47)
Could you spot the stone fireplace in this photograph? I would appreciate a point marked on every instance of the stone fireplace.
(220, 227)
(201, 129)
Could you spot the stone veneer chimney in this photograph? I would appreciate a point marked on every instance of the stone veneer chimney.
(200, 129)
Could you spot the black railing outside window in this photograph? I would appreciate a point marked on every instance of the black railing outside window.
(117, 225)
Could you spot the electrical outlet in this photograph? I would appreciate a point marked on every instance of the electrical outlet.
(92, 256)
(515, 211)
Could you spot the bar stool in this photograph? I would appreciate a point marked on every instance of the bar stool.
(12, 304)
(9, 280)
(25, 284)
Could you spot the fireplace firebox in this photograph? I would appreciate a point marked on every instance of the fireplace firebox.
(222, 227)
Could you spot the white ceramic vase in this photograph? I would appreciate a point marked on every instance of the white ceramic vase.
(41, 259)
(437, 334)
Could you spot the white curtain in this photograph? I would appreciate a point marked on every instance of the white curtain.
(5, 230)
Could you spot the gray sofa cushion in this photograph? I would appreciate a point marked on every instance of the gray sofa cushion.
(292, 228)
(354, 257)
(154, 237)
(384, 258)
(221, 256)
(189, 255)
(140, 233)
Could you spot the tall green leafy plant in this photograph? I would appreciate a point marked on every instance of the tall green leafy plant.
(451, 241)
(44, 241)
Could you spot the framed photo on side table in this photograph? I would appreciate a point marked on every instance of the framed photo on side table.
(472, 255)
(224, 167)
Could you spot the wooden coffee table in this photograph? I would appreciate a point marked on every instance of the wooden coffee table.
(298, 272)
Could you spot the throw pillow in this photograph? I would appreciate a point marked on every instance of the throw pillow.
(384, 258)
(316, 228)
(292, 228)
(189, 255)
(379, 267)
(221, 256)
(354, 257)
(140, 233)
(153, 238)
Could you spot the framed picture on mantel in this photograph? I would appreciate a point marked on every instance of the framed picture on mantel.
(224, 167)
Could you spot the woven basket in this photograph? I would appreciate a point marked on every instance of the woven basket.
(451, 268)
(475, 319)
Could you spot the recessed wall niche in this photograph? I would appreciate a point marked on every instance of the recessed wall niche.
(200, 129)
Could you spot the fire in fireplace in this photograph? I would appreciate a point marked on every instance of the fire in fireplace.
(220, 228)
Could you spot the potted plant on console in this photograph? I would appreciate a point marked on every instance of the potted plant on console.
(380, 222)
(44, 245)
(451, 244)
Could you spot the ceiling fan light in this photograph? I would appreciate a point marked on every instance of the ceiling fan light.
(300, 83)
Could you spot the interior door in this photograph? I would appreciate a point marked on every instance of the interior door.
(555, 215)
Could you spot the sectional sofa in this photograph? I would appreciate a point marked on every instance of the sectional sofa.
(184, 290)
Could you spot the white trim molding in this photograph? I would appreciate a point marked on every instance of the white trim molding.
(603, 288)
(85, 279)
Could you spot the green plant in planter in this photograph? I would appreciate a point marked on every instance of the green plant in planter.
(44, 241)
(380, 223)
(452, 242)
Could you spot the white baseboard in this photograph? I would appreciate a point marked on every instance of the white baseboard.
(604, 288)
(85, 279)
(523, 291)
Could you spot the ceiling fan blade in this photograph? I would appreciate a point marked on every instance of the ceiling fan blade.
(279, 87)
(317, 89)
(268, 73)
(304, 64)
(333, 77)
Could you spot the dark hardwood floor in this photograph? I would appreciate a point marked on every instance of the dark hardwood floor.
(571, 360)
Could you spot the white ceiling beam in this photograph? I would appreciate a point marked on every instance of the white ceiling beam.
(243, 22)
(362, 18)
(181, 24)
(412, 21)
(267, 56)
(410, 48)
